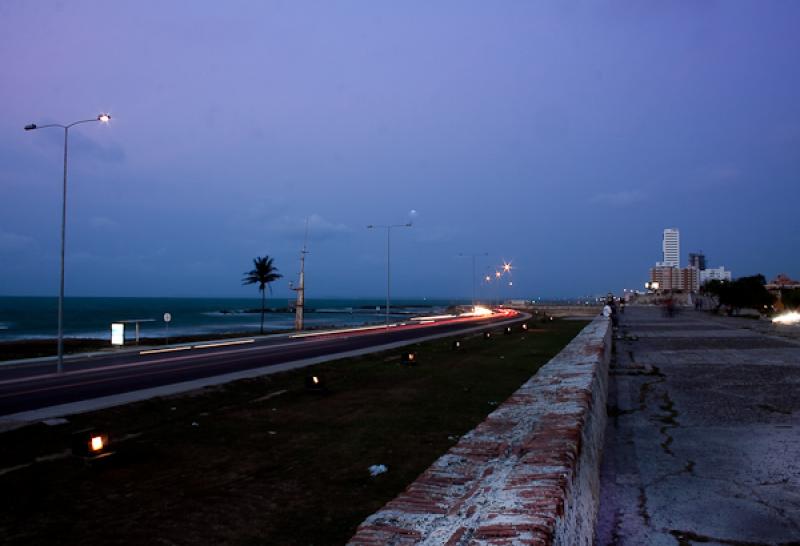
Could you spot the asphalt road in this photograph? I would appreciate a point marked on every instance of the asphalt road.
(35, 386)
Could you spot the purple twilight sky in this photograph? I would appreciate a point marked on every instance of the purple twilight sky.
(562, 136)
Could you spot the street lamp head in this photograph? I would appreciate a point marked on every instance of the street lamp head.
(105, 118)
(30, 127)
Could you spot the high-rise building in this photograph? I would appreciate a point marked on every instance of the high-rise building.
(698, 260)
(671, 246)
(715, 274)
(675, 278)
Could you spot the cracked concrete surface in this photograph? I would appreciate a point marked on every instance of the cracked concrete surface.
(703, 437)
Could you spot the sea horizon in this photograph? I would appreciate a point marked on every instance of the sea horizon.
(35, 317)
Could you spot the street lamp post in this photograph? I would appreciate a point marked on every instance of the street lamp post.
(388, 229)
(473, 272)
(104, 118)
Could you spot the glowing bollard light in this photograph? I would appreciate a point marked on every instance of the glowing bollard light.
(314, 383)
(487, 335)
(524, 325)
(97, 443)
(456, 345)
(90, 445)
(410, 358)
(507, 330)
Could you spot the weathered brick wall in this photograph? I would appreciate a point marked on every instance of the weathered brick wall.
(529, 474)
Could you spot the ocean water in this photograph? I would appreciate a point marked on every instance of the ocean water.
(36, 317)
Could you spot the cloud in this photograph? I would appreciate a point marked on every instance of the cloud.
(80, 143)
(721, 174)
(13, 242)
(319, 228)
(101, 222)
(435, 234)
(622, 198)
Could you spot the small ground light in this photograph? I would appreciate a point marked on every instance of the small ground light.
(508, 330)
(456, 345)
(314, 383)
(90, 444)
(524, 325)
(487, 335)
(96, 443)
(410, 357)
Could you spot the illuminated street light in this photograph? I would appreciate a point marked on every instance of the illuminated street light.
(388, 229)
(505, 269)
(103, 118)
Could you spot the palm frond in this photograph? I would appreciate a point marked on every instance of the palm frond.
(263, 272)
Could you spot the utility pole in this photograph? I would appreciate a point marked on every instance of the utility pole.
(301, 286)
(473, 272)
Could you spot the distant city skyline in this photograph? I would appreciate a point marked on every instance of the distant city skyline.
(561, 137)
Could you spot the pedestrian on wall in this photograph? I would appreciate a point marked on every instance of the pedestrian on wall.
(614, 311)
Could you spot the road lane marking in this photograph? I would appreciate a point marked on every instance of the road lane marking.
(223, 344)
(170, 350)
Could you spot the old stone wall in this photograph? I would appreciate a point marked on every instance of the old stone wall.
(527, 475)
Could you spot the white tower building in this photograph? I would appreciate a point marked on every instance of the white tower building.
(671, 246)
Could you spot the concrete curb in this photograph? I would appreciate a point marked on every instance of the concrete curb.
(529, 474)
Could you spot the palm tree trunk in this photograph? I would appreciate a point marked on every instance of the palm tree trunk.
(263, 296)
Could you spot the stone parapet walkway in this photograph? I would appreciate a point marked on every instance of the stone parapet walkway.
(703, 437)
(527, 475)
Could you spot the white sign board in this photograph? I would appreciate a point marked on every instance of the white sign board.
(167, 317)
(117, 333)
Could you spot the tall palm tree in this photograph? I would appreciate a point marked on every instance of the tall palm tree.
(263, 273)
